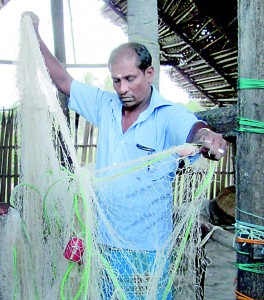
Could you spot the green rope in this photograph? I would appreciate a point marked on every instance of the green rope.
(88, 239)
(253, 268)
(33, 269)
(188, 230)
(87, 267)
(108, 267)
(46, 216)
(15, 273)
(249, 226)
(250, 214)
(247, 125)
(242, 252)
(113, 277)
(247, 83)
(178, 259)
(77, 212)
(85, 278)
(152, 159)
(133, 169)
(12, 201)
(64, 279)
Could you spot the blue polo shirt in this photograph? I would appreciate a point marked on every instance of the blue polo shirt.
(136, 206)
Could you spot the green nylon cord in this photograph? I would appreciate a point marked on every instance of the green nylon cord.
(65, 277)
(84, 284)
(15, 273)
(250, 214)
(250, 226)
(144, 164)
(87, 268)
(85, 277)
(19, 185)
(88, 236)
(24, 229)
(76, 208)
(253, 268)
(247, 125)
(27, 240)
(187, 233)
(178, 259)
(57, 221)
(242, 252)
(247, 83)
(109, 269)
(46, 216)
(113, 277)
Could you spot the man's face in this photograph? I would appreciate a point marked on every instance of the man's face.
(131, 84)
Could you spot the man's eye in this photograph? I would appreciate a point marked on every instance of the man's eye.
(130, 78)
(116, 80)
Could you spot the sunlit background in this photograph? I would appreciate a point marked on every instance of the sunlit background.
(89, 39)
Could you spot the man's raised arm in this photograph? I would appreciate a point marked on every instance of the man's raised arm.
(59, 75)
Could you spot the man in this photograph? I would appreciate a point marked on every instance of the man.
(133, 122)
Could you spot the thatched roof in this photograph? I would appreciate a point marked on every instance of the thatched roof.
(198, 39)
(3, 3)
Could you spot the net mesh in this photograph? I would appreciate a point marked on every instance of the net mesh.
(131, 231)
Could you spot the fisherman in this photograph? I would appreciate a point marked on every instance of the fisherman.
(133, 122)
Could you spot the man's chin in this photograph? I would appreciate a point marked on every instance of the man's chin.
(128, 103)
(129, 106)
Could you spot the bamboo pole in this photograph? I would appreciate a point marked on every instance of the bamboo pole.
(249, 159)
(59, 44)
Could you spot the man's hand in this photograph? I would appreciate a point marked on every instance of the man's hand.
(34, 17)
(212, 145)
(59, 75)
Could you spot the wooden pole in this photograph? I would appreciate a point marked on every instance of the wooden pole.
(142, 21)
(59, 44)
(249, 159)
(60, 53)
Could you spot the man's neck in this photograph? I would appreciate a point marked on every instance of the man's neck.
(130, 115)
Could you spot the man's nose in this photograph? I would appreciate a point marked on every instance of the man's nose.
(123, 88)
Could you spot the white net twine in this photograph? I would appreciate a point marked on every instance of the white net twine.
(128, 232)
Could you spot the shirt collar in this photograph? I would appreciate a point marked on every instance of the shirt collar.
(156, 101)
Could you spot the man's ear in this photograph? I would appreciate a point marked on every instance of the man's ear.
(149, 73)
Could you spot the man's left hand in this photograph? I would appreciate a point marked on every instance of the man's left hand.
(212, 145)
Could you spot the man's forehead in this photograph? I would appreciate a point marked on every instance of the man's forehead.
(123, 72)
(123, 75)
(123, 65)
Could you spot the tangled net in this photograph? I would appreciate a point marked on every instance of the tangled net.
(77, 233)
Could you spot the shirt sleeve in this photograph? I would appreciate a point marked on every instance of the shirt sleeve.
(86, 100)
(180, 123)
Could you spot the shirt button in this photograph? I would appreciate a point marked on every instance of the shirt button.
(114, 163)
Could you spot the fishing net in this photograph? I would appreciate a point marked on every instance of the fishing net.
(130, 231)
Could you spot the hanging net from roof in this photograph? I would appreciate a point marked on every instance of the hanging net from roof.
(124, 232)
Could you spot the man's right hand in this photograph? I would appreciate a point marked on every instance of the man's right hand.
(59, 75)
(34, 17)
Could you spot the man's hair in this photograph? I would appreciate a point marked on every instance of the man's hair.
(144, 59)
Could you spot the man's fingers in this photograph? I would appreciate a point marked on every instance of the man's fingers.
(212, 145)
(33, 16)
